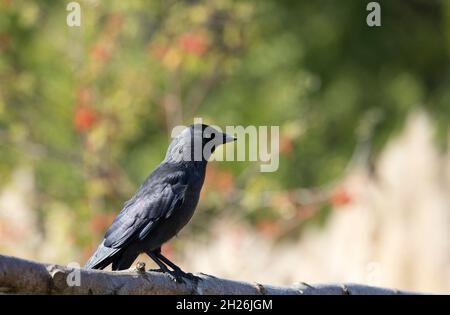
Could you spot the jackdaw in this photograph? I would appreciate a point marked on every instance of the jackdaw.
(162, 205)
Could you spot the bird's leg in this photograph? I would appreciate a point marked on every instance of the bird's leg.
(175, 268)
(158, 262)
(174, 274)
(168, 262)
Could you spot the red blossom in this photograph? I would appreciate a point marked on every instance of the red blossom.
(219, 180)
(341, 197)
(268, 227)
(100, 52)
(193, 43)
(286, 145)
(84, 118)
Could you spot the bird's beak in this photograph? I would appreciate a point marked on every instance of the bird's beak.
(228, 138)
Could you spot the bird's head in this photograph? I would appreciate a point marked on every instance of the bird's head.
(209, 136)
(196, 143)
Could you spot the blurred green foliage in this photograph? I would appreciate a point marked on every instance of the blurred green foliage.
(91, 108)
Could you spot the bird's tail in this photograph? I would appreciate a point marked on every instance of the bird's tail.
(102, 257)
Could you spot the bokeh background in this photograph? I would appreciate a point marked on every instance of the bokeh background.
(363, 189)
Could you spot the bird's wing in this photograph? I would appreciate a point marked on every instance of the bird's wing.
(149, 205)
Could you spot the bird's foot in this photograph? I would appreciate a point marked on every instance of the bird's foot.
(190, 276)
(175, 276)
(179, 276)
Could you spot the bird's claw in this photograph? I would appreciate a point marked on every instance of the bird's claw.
(179, 276)
(189, 276)
(175, 276)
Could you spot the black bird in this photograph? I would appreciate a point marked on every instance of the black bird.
(163, 204)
